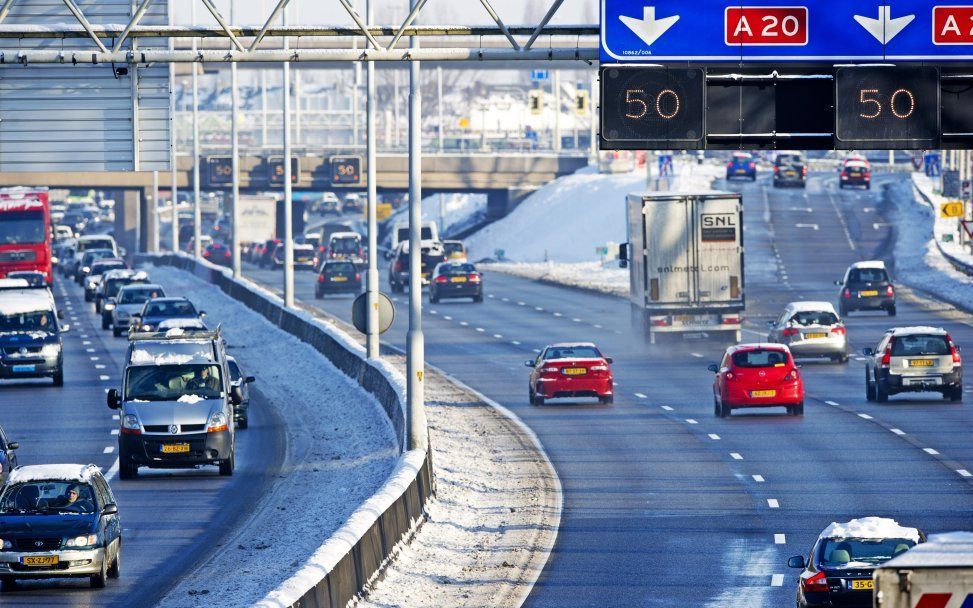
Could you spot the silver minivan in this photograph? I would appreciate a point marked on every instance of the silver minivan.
(176, 403)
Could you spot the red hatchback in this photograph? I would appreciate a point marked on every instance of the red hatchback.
(757, 375)
(576, 369)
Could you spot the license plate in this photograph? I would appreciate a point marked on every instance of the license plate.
(574, 371)
(921, 362)
(175, 448)
(458, 279)
(812, 336)
(866, 294)
(24, 368)
(763, 393)
(790, 173)
(862, 585)
(740, 171)
(39, 560)
(339, 279)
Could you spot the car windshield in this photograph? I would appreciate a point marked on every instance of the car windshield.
(858, 552)
(814, 317)
(104, 267)
(911, 346)
(137, 296)
(115, 285)
(789, 159)
(22, 227)
(46, 497)
(453, 247)
(759, 357)
(457, 269)
(95, 244)
(343, 267)
(28, 322)
(572, 352)
(171, 382)
(91, 256)
(345, 244)
(169, 309)
(867, 275)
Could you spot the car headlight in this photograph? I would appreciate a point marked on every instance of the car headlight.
(51, 350)
(146, 328)
(6, 544)
(131, 422)
(82, 541)
(85, 269)
(108, 306)
(217, 423)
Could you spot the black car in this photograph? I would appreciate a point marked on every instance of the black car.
(59, 521)
(219, 254)
(241, 410)
(455, 280)
(866, 286)
(337, 276)
(790, 169)
(157, 310)
(838, 571)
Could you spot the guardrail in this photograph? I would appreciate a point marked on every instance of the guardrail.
(957, 263)
(357, 553)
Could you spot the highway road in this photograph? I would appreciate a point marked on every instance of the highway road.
(172, 520)
(667, 505)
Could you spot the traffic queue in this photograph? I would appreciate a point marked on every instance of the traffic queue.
(181, 401)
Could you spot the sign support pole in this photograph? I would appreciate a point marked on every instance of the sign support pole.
(197, 211)
(235, 136)
(371, 277)
(288, 194)
(415, 353)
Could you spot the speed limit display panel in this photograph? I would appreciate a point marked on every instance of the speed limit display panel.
(652, 107)
(887, 107)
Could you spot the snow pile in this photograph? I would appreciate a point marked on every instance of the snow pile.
(949, 538)
(594, 276)
(190, 399)
(453, 212)
(53, 472)
(870, 527)
(144, 357)
(341, 450)
(946, 230)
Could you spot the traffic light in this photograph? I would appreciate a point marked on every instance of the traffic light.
(581, 100)
(535, 101)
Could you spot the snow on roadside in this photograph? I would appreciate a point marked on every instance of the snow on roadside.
(452, 211)
(593, 276)
(341, 446)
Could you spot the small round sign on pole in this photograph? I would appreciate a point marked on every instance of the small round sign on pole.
(359, 313)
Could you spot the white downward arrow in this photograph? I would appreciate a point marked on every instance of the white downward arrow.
(884, 28)
(648, 28)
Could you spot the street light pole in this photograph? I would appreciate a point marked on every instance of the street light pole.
(288, 195)
(174, 144)
(371, 277)
(439, 87)
(235, 136)
(415, 354)
(197, 211)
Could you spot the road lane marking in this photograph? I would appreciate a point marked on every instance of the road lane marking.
(490, 295)
(576, 320)
(103, 377)
(777, 580)
(879, 225)
(964, 473)
(758, 478)
(112, 471)
(498, 336)
(99, 366)
(898, 431)
(736, 456)
(114, 431)
(108, 450)
(504, 299)
(515, 342)
(537, 350)
(773, 503)
(89, 350)
(832, 403)
(521, 303)
(697, 355)
(598, 326)
(811, 226)
(640, 395)
(480, 329)
(114, 416)
(94, 358)
(83, 336)
(557, 314)
(780, 539)
(714, 436)
(930, 451)
(433, 312)
(447, 317)
(666, 408)
(464, 323)
(865, 417)
(691, 421)
(539, 309)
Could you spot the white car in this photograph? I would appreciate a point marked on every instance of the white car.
(811, 329)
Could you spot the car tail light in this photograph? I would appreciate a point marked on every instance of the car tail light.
(550, 370)
(844, 174)
(803, 170)
(358, 276)
(953, 350)
(730, 320)
(839, 330)
(398, 265)
(752, 165)
(660, 322)
(815, 584)
(729, 165)
(474, 278)
(847, 293)
(322, 278)
(226, 254)
(206, 254)
(889, 292)
(441, 279)
(791, 376)
(789, 331)
(887, 356)
(776, 169)
(598, 368)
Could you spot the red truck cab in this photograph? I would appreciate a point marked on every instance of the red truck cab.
(25, 231)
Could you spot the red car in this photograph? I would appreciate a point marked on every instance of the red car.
(576, 369)
(757, 375)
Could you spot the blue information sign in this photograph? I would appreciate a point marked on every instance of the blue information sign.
(648, 31)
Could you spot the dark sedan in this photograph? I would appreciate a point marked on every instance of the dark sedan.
(455, 280)
(158, 310)
(219, 254)
(337, 277)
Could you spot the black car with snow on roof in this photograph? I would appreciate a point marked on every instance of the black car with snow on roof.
(57, 521)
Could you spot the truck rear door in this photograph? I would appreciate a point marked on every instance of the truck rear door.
(669, 273)
(718, 251)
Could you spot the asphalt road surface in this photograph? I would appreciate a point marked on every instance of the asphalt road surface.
(667, 505)
(171, 520)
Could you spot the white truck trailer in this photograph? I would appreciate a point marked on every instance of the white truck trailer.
(685, 254)
(934, 574)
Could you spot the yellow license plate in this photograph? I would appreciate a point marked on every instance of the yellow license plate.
(815, 335)
(574, 371)
(458, 279)
(175, 448)
(922, 362)
(339, 279)
(39, 560)
(763, 393)
(865, 585)
(866, 294)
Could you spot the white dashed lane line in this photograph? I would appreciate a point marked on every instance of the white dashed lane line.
(114, 416)
(103, 377)
(780, 539)
(515, 342)
(865, 417)
(537, 350)
(773, 503)
(898, 431)
(597, 326)
(666, 408)
(640, 395)
(576, 320)
(498, 336)
(758, 478)
(736, 456)
(964, 473)
(538, 309)
(114, 431)
(557, 314)
(714, 436)
(521, 303)
(831, 402)
(504, 299)
(480, 329)
(94, 358)
(108, 450)
(99, 366)
(464, 323)
(777, 580)
(691, 421)
(447, 317)
(697, 355)
(89, 350)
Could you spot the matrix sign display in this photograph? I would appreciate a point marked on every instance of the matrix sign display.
(346, 170)
(881, 107)
(219, 170)
(651, 107)
(275, 166)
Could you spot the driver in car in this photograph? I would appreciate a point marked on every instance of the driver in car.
(72, 501)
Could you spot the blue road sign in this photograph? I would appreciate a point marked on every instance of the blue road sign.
(648, 31)
(538, 75)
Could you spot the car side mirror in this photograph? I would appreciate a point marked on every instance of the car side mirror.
(868, 352)
(770, 323)
(13, 445)
(388, 255)
(713, 368)
(60, 314)
(839, 283)
(249, 379)
(114, 399)
(609, 360)
(202, 313)
(796, 562)
(65, 328)
(236, 395)
(110, 509)
(528, 363)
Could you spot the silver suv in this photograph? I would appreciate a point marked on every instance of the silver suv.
(914, 359)
(811, 329)
(177, 403)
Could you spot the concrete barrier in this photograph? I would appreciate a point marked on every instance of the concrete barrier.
(356, 554)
